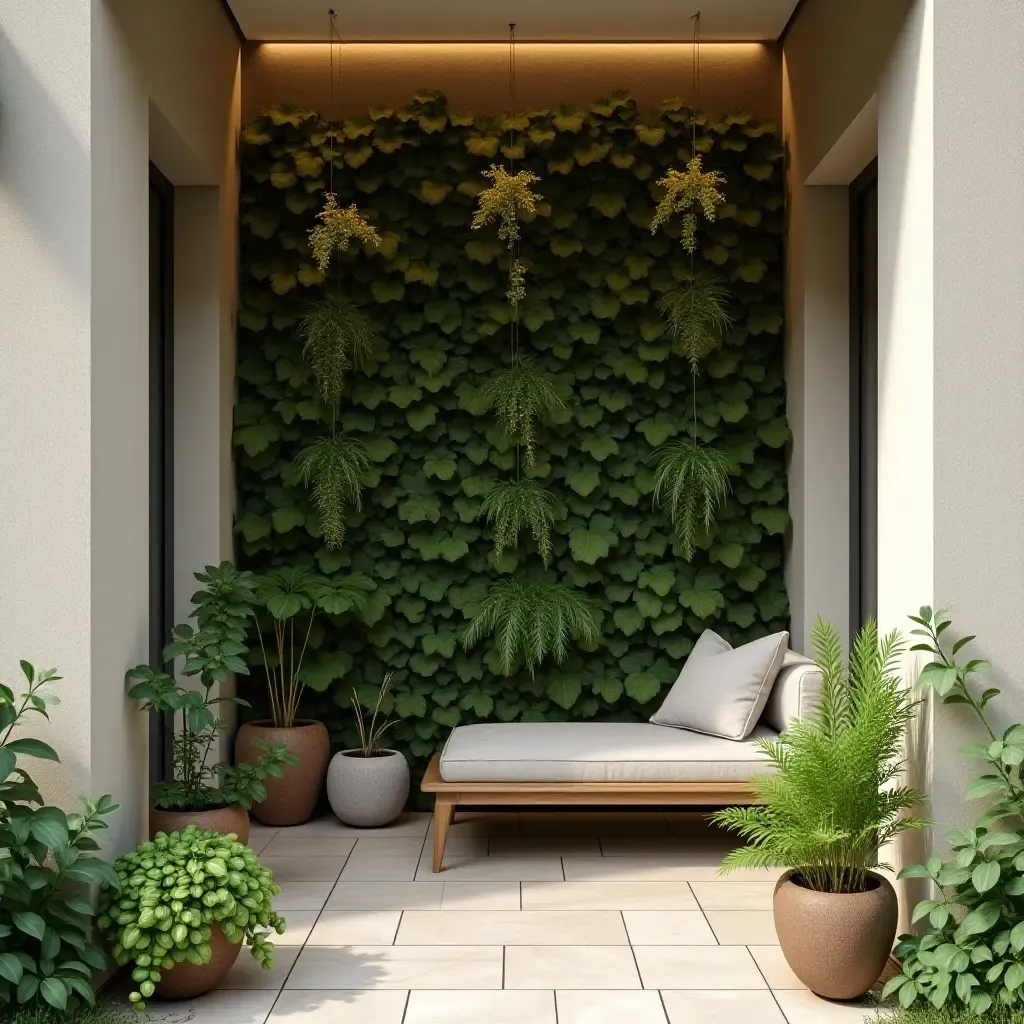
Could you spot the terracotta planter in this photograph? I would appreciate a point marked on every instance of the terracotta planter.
(232, 818)
(186, 980)
(292, 798)
(836, 943)
(368, 791)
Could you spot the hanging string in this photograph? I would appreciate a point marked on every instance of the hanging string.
(514, 249)
(330, 102)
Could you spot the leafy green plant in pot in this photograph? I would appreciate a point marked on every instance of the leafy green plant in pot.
(183, 905)
(290, 601)
(832, 801)
(969, 963)
(369, 784)
(214, 796)
(46, 955)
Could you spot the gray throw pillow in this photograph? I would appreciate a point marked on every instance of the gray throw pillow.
(722, 690)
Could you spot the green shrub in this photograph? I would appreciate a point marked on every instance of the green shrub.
(102, 1013)
(46, 956)
(948, 1015)
(173, 892)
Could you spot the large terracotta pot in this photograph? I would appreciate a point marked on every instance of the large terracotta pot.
(292, 798)
(226, 820)
(836, 943)
(368, 791)
(186, 980)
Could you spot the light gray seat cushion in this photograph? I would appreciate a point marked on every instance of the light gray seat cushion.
(596, 752)
(795, 694)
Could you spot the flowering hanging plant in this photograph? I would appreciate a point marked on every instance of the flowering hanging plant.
(337, 227)
(686, 191)
(505, 201)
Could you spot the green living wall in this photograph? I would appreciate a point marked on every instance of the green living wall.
(436, 289)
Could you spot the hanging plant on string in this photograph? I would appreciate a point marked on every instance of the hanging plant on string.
(691, 480)
(529, 619)
(338, 338)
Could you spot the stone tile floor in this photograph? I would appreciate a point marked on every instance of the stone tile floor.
(538, 918)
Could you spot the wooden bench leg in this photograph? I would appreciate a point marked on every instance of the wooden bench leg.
(443, 811)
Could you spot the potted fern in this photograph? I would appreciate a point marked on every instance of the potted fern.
(832, 801)
(290, 600)
(369, 784)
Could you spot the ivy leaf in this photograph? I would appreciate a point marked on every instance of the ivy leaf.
(660, 578)
(443, 468)
(774, 520)
(564, 691)
(588, 546)
(420, 509)
(600, 447)
(583, 480)
(642, 686)
(628, 620)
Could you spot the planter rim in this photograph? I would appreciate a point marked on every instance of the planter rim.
(788, 878)
(357, 754)
(268, 723)
(211, 808)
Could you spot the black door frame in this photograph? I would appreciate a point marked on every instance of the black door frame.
(863, 406)
(161, 452)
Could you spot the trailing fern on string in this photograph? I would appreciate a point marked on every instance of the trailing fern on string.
(529, 619)
(338, 337)
(695, 317)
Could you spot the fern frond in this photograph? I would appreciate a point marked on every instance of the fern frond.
(828, 806)
(337, 337)
(531, 620)
(523, 396)
(336, 230)
(696, 317)
(686, 191)
(691, 483)
(333, 466)
(505, 200)
(512, 507)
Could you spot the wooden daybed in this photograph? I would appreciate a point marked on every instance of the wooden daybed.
(611, 764)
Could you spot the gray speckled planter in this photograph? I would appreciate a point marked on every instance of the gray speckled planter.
(367, 791)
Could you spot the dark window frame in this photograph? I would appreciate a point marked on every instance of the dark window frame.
(161, 452)
(863, 397)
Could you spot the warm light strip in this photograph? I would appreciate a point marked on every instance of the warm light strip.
(752, 47)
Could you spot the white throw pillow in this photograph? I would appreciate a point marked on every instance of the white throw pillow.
(722, 690)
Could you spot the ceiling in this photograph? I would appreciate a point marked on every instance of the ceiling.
(486, 20)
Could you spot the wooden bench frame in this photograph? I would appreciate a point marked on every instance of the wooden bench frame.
(450, 795)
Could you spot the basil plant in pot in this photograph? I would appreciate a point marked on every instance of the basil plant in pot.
(831, 802)
(290, 601)
(369, 784)
(214, 796)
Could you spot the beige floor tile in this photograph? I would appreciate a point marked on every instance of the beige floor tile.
(545, 846)
(386, 896)
(303, 869)
(214, 1008)
(608, 896)
(260, 837)
(300, 924)
(664, 868)
(481, 896)
(604, 1007)
(697, 967)
(722, 1007)
(356, 928)
(660, 845)
(493, 869)
(567, 967)
(397, 967)
(734, 895)
(512, 928)
(481, 824)
(743, 927)
(379, 869)
(309, 846)
(501, 1007)
(247, 974)
(668, 928)
(774, 967)
(296, 1006)
(804, 1007)
(592, 823)
(388, 846)
(302, 896)
(410, 824)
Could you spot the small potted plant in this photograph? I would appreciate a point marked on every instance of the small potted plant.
(186, 902)
(830, 804)
(212, 796)
(290, 599)
(368, 785)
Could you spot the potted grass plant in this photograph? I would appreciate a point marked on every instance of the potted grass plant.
(290, 600)
(368, 785)
(832, 801)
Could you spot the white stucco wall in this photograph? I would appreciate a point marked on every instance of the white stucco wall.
(80, 92)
